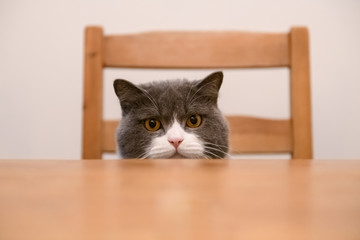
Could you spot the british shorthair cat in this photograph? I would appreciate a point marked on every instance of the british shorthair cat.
(171, 119)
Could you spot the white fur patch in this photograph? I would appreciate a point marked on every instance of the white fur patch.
(190, 147)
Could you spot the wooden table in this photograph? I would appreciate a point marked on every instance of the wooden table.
(180, 199)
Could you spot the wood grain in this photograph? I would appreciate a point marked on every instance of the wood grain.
(300, 93)
(197, 50)
(259, 135)
(179, 199)
(108, 137)
(93, 85)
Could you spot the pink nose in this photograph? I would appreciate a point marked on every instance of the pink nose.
(176, 142)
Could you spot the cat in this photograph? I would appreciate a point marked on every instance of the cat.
(171, 119)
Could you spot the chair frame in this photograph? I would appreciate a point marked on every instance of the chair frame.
(243, 50)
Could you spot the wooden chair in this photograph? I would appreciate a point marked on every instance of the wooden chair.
(204, 50)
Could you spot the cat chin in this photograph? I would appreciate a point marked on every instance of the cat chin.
(170, 153)
(175, 156)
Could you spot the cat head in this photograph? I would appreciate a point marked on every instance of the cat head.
(167, 119)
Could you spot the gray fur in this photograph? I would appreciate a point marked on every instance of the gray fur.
(164, 100)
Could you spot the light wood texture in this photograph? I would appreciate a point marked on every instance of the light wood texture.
(93, 93)
(205, 50)
(108, 137)
(180, 199)
(300, 93)
(256, 135)
(196, 50)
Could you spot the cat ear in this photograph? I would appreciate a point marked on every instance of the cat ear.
(210, 86)
(127, 93)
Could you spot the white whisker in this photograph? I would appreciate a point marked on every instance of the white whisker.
(215, 144)
(218, 150)
(211, 153)
(143, 156)
(159, 152)
(204, 156)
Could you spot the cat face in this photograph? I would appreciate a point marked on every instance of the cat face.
(171, 119)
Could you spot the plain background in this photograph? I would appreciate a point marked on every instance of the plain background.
(41, 62)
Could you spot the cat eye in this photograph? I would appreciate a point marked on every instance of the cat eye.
(152, 124)
(193, 121)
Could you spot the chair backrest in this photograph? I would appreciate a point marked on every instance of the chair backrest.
(207, 50)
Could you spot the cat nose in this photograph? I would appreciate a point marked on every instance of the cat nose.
(176, 141)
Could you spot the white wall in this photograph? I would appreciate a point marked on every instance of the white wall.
(41, 57)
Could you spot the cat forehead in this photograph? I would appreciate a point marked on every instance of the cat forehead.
(168, 88)
(171, 98)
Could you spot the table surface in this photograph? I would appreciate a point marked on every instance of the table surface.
(180, 199)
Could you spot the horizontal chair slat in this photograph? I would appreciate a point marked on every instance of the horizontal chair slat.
(249, 134)
(197, 50)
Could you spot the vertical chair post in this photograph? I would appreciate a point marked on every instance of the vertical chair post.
(300, 93)
(93, 85)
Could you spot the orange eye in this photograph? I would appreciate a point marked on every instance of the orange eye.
(152, 124)
(193, 121)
